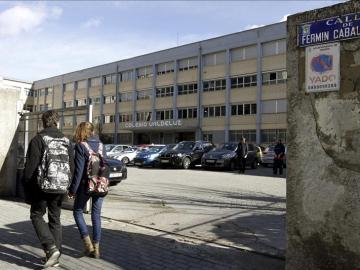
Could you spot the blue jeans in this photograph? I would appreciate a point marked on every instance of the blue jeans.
(80, 201)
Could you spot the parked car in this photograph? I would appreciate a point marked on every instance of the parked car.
(127, 156)
(150, 156)
(113, 149)
(118, 171)
(185, 154)
(268, 156)
(225, 157)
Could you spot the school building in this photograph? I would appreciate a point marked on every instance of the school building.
(218, 89)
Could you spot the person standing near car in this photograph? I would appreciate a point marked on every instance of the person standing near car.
(86, 141)
(242, 152)
(279, 151)
(47, 175)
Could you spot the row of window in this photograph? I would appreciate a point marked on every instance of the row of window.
(272, 77)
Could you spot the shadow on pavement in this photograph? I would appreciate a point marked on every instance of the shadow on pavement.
(128, 251)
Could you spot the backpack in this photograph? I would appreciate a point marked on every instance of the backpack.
(54, 175)
(97, 171)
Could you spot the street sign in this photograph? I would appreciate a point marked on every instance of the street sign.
(322, 68)
(329, 30)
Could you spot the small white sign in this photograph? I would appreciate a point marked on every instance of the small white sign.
(322, 68)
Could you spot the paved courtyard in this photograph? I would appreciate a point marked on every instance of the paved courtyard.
(245, 211)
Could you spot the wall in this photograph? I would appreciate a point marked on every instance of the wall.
(323, 181)
(12, 98)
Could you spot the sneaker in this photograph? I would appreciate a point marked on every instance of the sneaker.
(52, 258)
(43, 261)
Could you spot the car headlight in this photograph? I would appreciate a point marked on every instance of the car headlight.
(229, 155)
(179, 154)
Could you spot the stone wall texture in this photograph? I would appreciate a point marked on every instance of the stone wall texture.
(323, 188)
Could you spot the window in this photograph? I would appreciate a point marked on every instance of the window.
(68, 104)
(69, 86)
(243, 81)
(127, 76)
(144, 72)
(187, 113)
(214, 85)
(274, 106)
(187, 64)
(249, 135)
(42, 92)
(109, 99)
(243, 109)
(35, 93)
(144, 94)
(165, 91)
(125, 117)
(215, 59)
(143, 116)
(274, 77)
(164, 115)
(81, 102)
(184, 89)
(95, 82)
(274, 47)
(127, 96)
(95, 100)
(29, 92)
(165, 68)
(214, 111)
(110, 79)
(81, 84)
(244, 53)
(96, 119)
(68, 121)
(270, 136)
(109, 119)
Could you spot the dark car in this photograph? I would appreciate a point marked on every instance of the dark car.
(225, 157)
(150, 156)
(118, 171)
(185, 154)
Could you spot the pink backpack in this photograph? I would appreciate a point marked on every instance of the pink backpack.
(97, 171)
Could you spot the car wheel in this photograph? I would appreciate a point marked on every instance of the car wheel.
(125, 160)
(186, 163)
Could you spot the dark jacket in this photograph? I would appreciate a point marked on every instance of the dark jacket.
(33, 159)
(242, 150)
(79, 182)
(279, 150)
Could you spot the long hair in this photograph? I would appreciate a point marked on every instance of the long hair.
(83, 131)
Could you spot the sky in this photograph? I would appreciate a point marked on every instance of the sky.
(43, 39)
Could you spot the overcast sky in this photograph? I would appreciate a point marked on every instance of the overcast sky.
(44, 39)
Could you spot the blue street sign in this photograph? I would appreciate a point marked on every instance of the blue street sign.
(329, 30)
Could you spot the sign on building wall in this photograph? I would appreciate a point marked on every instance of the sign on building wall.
(322, 68)
(329, 30)
(159, 123)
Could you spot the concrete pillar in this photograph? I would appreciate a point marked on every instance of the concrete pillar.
(323, 181)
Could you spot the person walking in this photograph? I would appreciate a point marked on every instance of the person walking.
(279, 150)
(242, 152)
(87, 143)
(47, 175)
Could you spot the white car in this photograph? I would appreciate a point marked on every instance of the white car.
(126, 156)
(113, 149)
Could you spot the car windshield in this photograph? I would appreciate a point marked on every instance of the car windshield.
(184, 146)
(227, 146)
(155, 149)
(108, 147)
(269, 149)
